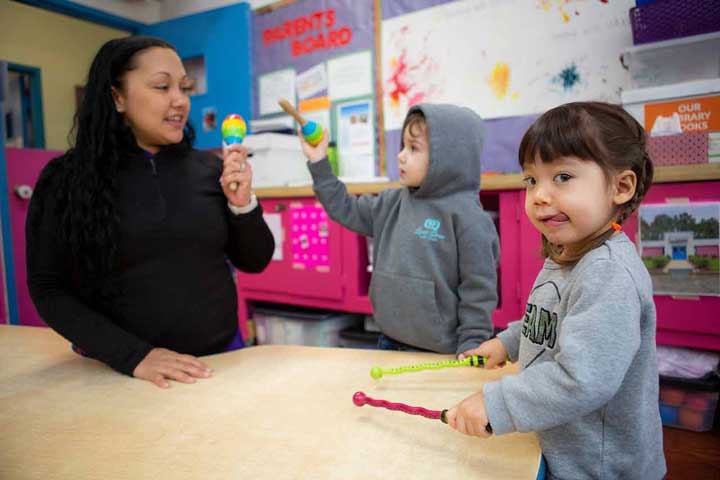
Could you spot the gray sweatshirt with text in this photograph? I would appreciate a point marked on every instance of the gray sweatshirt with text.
(435, 250)
(589, 382)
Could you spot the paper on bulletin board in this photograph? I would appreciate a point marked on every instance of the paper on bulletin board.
(312, 81)
(274, 86)
(350, 75)
(356, 139)
(274, 222)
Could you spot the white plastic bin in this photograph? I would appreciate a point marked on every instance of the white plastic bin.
(285, 325)
(674, 61)
(277, 160)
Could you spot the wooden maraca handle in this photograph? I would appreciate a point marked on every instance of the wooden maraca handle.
(290, 110)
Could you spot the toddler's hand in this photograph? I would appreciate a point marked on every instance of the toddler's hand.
(469, 416)
(492, 350)
(161, 364)
(317, 153)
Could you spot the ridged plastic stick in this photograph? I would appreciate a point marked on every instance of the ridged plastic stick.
(471, 361)
(361, 399)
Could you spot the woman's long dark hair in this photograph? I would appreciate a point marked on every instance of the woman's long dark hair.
(86, 178)
(593, 131)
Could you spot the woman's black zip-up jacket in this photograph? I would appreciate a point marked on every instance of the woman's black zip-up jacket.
(174, 287)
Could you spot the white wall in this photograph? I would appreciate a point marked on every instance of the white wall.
(153, 11)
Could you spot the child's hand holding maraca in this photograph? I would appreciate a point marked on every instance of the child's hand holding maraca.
(318, 152)
(492, 350)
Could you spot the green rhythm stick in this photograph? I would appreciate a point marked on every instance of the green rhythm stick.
(471, 361)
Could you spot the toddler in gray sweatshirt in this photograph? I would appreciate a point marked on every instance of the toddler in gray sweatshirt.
(588, 381)
(434, 281)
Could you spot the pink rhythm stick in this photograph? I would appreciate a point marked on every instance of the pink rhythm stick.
(361, 399)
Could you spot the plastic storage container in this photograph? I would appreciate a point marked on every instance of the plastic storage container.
(277, 160)
(689, 403)
(357, 337)
(668, 19)
(285, 325)
(673, 61)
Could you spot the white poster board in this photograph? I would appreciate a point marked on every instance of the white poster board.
(504, 58)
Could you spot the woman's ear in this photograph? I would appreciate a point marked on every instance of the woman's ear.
(624, 188)
(119, 100)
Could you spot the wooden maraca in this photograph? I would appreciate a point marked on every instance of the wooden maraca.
(233, 130)
(312, 131)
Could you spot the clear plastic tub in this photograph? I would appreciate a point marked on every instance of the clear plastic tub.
(674, 61)
(689, 404)
(286, 325)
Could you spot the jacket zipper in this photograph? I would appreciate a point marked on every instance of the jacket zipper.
(152, 164)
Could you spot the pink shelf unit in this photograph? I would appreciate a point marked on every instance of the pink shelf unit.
(681, 321)
(338, 282)
(344, 285)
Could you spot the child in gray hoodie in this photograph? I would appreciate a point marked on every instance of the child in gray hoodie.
(434, 281)
(588, 383)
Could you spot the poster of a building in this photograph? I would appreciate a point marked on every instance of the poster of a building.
(680, 246)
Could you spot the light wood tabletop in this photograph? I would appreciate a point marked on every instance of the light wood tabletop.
(269, 412)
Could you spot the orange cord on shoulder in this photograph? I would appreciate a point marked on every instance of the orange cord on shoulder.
(616, 226)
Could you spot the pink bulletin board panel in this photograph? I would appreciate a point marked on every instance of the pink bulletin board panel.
(684, 321)
(309, 237)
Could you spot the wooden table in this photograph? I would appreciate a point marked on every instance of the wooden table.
(272, 412)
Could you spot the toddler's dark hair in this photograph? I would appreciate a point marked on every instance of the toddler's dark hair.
(594, 131)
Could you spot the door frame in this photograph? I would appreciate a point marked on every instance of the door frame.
(36, 106)
(7, 259)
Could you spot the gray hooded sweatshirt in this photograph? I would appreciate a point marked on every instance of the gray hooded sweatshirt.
(435, 250)
(589, 379)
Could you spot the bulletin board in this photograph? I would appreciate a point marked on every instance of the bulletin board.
(508, 60)
(320, 55)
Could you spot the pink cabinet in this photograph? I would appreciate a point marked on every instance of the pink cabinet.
(321, 264)
(683, 321)
(342, 283)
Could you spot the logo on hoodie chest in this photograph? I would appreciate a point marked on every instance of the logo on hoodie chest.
(430, 230)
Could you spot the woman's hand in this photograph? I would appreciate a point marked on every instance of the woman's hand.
(492, 350)
(161, 365)
(237, 174)
(318, 152)
(469, 416)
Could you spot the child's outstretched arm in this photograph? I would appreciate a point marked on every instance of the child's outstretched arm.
(353, 212)
(589, 359)
(478, 252)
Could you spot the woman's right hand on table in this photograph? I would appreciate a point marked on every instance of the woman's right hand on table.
(161, 365)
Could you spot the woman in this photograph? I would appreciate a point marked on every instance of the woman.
(128, 232)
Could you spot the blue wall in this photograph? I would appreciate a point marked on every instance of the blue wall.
(222, 37)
